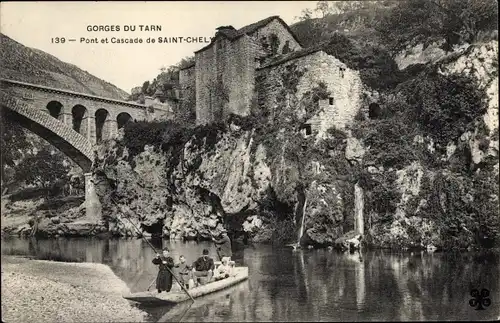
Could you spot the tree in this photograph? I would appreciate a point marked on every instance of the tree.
(42, 169)
(427, 21)
(306, 14)
(14, 144)
(145, 87)
(322, 7)
(188, 60)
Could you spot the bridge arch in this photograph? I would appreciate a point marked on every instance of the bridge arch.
(122, 119)
(102, 118)
(56, 109)
(69, 142)
(80, 119)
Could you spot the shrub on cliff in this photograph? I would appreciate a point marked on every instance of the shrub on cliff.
(444, 106)
(427, 21)
(431, 105)
(465, 208)
(377, 68)
(141, 133)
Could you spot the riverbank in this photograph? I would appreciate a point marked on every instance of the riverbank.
(45, 291)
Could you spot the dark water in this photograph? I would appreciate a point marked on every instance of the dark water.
(309, 285)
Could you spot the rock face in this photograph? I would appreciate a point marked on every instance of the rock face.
(227, 180)
(324, 214)
(436, 206)
(268, 182)
(238, 178)
(49, 218)
(481, 61)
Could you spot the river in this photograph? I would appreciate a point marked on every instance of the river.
(308, 285)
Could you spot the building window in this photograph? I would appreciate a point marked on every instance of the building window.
(374, 111)
(306, 129)
(330, 101)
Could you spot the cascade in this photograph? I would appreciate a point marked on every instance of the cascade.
(358, 209)
(301, 231)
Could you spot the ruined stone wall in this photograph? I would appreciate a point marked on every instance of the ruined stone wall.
(344, 85)
(187, 82)
(225, 74)
(274, 27)
(206, 70)
(240, 75)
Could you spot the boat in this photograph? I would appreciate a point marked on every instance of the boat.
(173, 297)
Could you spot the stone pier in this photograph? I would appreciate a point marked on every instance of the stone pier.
(92, 204)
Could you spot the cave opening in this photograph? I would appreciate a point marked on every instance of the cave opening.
(374, 111)
(155, 229)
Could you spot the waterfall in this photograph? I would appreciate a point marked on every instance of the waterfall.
(301, 231)
(358, 209)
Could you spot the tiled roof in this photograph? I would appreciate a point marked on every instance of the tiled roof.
(256, 25)
(193, 63)
(233, 34)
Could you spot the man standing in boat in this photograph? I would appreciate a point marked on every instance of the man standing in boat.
(164, 278)
(223, 246)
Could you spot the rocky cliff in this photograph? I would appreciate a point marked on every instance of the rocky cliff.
(446, 193)
(426, 165)
(424, 189)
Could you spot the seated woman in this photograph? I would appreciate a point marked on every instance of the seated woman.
(223, 271)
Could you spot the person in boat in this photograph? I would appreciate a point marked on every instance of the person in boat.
(185, 272)
(223, 245)
(223, 271)
(204, 266)
(164, 278)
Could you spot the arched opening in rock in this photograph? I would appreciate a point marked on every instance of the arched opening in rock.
(79, 113)
(122, 119)
(55, 109)
(155, 229)
(374, 111)
(101, 118)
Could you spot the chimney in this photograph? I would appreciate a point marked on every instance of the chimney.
(225, 28)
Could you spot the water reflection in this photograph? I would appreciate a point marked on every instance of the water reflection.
(307, 285)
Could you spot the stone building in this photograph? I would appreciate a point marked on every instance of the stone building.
(225, 76)
(343, 84)
(159, 107)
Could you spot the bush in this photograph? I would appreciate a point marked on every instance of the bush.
(426, 21)
(29, 193)
(444, 106)
(377, 68)
(141, 133)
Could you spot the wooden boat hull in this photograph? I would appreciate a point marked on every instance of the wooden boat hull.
(239, 274)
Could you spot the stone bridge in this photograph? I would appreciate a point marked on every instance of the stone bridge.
(95, 118)
(73, 122)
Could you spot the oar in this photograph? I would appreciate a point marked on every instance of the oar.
(154, 249)
(216, 249)
(151, 284)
